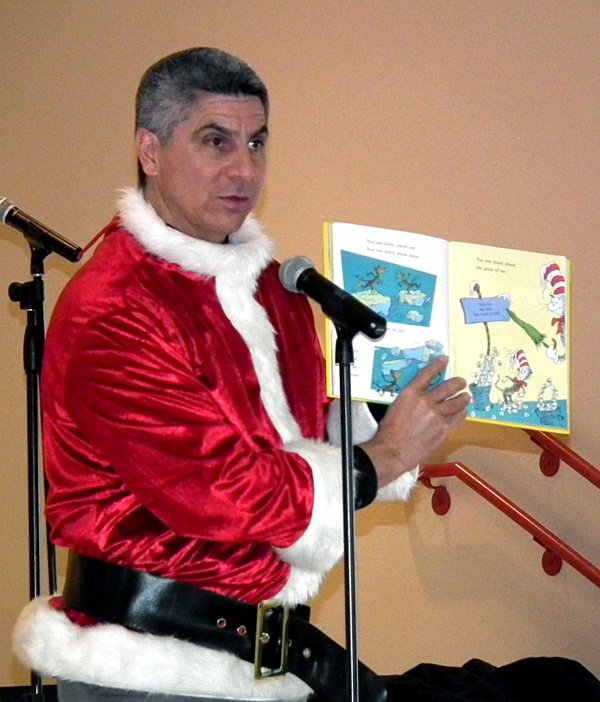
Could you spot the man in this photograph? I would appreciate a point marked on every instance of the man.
(186, 426)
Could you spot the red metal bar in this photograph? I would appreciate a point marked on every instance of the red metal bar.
(544, 537)
(550, 443)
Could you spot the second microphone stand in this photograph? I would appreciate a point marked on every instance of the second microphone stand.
(30, 297)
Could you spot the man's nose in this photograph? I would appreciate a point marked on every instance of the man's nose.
(243, 164)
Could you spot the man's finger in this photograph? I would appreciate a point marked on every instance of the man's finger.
(429, 373)
(449, 387)
(455, 405)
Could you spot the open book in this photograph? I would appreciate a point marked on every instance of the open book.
(501, 315)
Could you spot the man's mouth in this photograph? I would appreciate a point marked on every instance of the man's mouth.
(236, 201)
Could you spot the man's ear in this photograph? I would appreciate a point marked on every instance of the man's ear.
(147, 144)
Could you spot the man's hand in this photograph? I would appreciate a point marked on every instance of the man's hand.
(417, 422)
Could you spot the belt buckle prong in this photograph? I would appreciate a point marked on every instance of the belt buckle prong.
(263, 638)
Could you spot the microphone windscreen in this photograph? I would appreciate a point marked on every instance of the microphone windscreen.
(290, 271)
(6, 206)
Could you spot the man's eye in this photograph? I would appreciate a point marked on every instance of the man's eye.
(257, 144)
(216, 141)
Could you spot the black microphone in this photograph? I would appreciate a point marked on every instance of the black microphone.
(298, 274)
(36, 233)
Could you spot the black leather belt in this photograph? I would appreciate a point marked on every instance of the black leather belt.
(275, 638)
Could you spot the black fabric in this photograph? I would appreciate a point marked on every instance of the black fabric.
(551, 678)
(378, 410)
(161, 606)
(24, 693)
(365, 479)
(526, 680)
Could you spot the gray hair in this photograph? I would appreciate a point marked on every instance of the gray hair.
(169, 89)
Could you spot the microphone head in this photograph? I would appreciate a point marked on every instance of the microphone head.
(291, 269)
(6, 206)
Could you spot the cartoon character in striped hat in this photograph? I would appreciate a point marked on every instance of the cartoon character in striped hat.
(553, 278)
(517, 385)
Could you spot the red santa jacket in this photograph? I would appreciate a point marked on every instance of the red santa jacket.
(185, 417)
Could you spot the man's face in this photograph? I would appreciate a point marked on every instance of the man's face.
(207, 178)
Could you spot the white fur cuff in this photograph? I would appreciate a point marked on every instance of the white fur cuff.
(399, 489)
(322, 544)
(364, 425)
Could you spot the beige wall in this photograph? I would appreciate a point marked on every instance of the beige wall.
(474, 120)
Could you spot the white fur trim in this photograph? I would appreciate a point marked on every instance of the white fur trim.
(321, 545)
(246, 255)
(364, 424)
(399, 489)
(302, 585)
(46, 641)
(251, 321)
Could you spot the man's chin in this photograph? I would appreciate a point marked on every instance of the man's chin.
(234, 222)
(220, 233)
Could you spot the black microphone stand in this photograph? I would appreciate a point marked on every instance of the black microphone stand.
(30, 296)
(344, 357)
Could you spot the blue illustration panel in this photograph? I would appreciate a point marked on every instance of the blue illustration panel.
(400, 294)
(394, 368)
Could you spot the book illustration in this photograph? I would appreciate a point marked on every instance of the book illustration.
(515, 403)
(400, 294)
(553, 279)
(515, 387)
(546, 408)
(394, 368)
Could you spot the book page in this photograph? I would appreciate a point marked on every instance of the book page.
(509, 334)
(402, 276)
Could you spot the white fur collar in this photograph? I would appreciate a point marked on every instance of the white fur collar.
(236, 267)
(246, 255)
